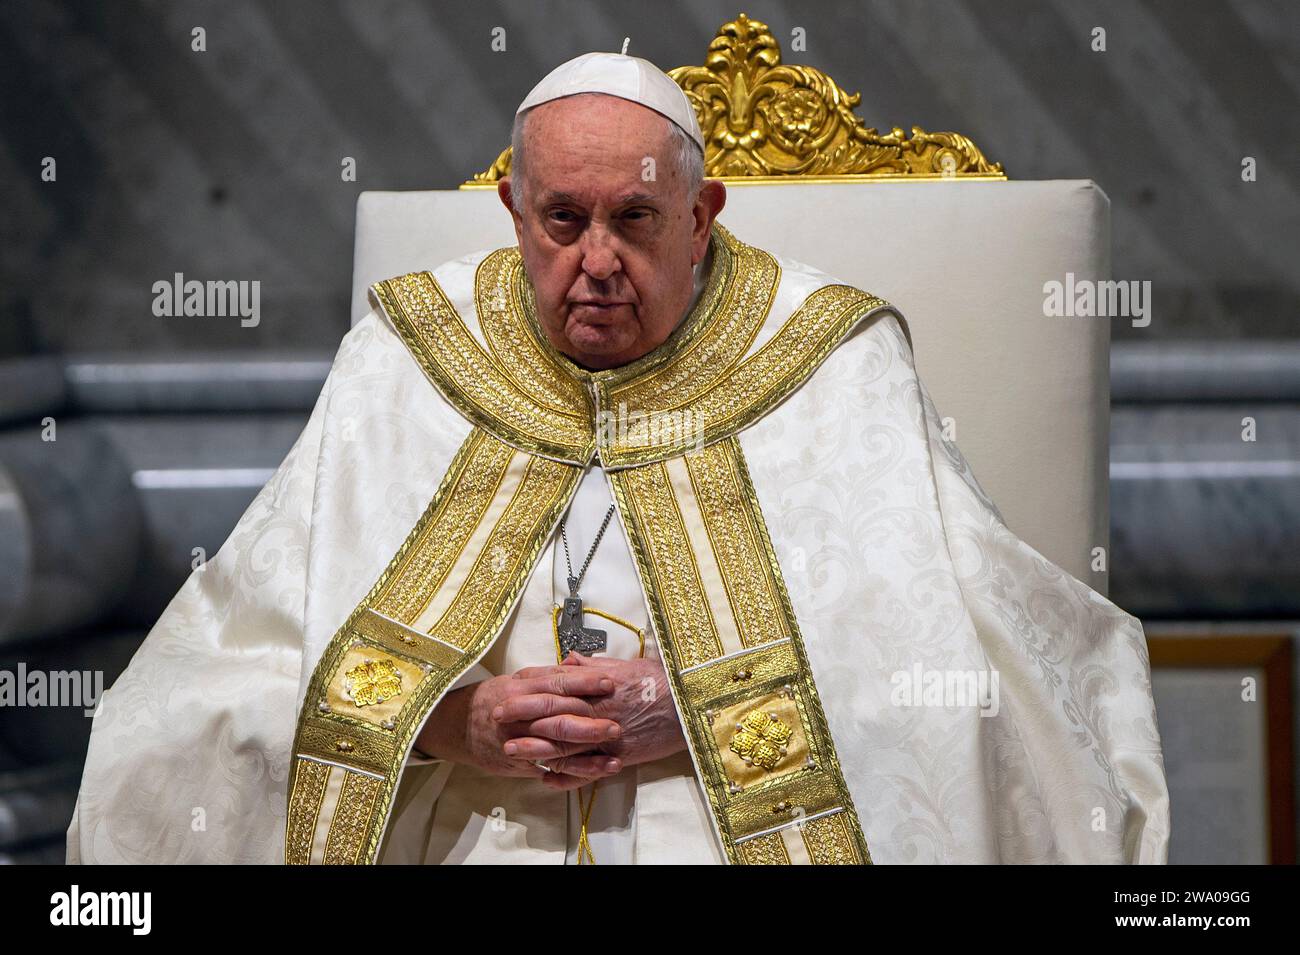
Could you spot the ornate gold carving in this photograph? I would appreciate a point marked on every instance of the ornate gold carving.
(761, 739)
(762, 117)
(373, 682)
(767, 119)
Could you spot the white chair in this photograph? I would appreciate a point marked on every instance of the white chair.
(964, 262)
(960, 251)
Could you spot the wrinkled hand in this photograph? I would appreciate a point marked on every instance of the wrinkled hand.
(467, 732)
(640, 703)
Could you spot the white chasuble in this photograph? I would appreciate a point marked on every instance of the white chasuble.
(867, 664)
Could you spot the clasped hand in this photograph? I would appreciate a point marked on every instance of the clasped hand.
(586, 718)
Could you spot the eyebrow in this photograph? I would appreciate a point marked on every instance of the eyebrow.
(623, 200)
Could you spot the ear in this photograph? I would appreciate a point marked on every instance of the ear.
(712, 197)
(505, 192)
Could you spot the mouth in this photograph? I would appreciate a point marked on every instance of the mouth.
(596, 309)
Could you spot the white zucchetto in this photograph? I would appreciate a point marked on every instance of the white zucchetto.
(616, 74)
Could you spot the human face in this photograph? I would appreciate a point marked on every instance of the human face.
(608, 250)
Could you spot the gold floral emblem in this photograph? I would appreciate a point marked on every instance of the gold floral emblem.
(761, 739)
(372, 682)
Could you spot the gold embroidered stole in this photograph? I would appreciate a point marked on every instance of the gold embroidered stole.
(740, 678)
(435, 611)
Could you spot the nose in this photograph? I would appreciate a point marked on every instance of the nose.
(599, 253)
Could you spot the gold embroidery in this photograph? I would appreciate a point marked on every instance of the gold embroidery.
(471, 380)
(662, 397)
(693, 390)
(823, 757)
(765, 850)
(502, 502)
(829, 841)
(518, 351)
(660, 536)
(798, 752)
(698, 375)
(700, 364)
(475, 476)
(760, 739)
(529, 517)
(376, 738)
(822, 840)
(711, 689)
(373, 682)
(764, 379)
(718, 288)
(305, 800)
(347, 830)
(767, 665)
(365, 656)
(729, 521)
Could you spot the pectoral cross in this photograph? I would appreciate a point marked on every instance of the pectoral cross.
(569, 629)
(573, 635)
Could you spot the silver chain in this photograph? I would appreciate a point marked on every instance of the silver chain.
(590, 554)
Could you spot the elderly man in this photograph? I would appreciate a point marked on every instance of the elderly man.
(630, 544)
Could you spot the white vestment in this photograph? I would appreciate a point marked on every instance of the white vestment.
(472, 818)
(896, 563)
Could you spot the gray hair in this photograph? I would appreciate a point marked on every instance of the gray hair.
(685, 154)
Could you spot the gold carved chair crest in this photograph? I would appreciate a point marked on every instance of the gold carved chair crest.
(767, 121)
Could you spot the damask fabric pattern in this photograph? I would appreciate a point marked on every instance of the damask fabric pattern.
(907, 562)
(893, 558)
(190, 751)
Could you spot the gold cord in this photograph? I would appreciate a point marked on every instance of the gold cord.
(584, 844)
